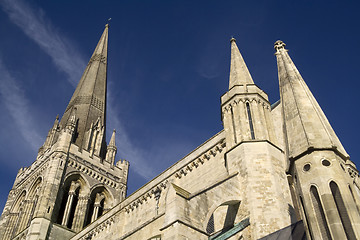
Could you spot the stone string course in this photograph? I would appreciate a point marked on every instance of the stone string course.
(95, 172)
(97, 57)
(92, 100)
(244, 100)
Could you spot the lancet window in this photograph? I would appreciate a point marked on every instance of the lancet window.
(248, 110)
(345, 220)
(95, 134)
(22, 211)
(352, 194)
(319, 213)
(16, 212)
(30, 204)
(69, 214)
(100, 200)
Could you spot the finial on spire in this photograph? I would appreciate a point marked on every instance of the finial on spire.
(232, 39)
(279, 45)
(57, 117)
(107, 24)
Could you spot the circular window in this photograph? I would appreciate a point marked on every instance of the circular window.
(306, 167)
(325, 162)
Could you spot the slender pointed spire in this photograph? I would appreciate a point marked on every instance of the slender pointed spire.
(239, 73)
(306, 125)
(112, 140)
(89, 98)
(111, 150)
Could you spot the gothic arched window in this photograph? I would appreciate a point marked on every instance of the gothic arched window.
(223, 218)
(352, 194)
(30, 205)
(319, 213)
(15, 216)
(345, 220)
(100, 200)
(248, 110)
(69, 202)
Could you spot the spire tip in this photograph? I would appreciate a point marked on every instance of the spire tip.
(279, 45)
(232, 39)
(107, 24)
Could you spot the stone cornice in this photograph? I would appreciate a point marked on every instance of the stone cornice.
(159, 183)
(33, 172)
(198, 161)
(145, 196)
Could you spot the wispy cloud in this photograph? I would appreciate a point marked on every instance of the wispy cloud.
(68, 60)
(125, 147)
(37, 27)
(18, 106)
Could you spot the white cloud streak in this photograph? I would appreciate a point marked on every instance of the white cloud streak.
(35, 25)
(136, 157)
(18, 106)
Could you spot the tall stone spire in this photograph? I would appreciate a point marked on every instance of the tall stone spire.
(88, 102)
(239, 73)
(306, 125)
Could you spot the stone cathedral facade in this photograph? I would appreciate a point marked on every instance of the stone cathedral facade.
(274, 172)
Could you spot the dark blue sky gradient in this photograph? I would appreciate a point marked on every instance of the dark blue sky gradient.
(168, 65)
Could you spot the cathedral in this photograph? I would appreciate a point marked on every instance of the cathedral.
(275, 171)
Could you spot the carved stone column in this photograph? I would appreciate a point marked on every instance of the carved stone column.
(69, 202)
(80, 213)
(95, 212)
(25, 215)
(72, 191)
(99, 197)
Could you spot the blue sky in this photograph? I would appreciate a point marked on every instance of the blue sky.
(168, 66)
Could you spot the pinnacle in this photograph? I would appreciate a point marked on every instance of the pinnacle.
(112, 140)
(239, 73)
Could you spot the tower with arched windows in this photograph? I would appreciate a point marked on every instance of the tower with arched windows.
(323, 176)
(74, 179)
(276, 171)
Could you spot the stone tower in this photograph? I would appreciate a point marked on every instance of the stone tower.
(318, 163)
(253, 150)
(74, 179)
